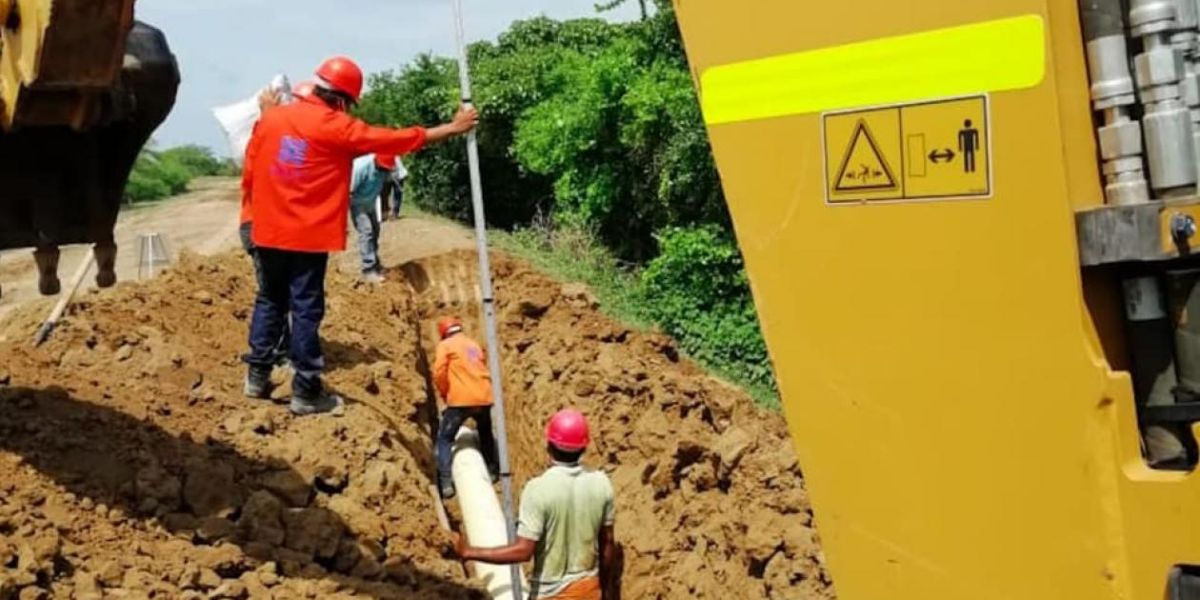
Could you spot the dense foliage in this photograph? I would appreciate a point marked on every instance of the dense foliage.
(594, 126)
(158, 175)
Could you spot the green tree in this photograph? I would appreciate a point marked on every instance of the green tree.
(198, 160)
(597, 126)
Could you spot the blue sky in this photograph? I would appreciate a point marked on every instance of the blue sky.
(228, 49)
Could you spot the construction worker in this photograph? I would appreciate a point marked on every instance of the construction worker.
(460, 372)
(566, 522)
(297, 185)
(370, 174)
(269, 98)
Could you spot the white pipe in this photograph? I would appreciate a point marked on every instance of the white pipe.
(483, 519)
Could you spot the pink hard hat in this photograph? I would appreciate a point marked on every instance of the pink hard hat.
(568, 431)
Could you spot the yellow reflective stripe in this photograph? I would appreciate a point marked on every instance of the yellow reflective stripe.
(993, 56)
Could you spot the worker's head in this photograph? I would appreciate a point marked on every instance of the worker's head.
(567, 436)
(448, 326)
(339, 82)
(385, 162)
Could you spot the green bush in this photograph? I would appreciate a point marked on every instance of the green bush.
(594, 150)
(142, 188)
(199, 161)
(697, 290)
(157, 175)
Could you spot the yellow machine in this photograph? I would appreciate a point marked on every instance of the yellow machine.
(968, 227)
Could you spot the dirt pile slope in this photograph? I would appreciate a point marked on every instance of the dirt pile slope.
(130, 465)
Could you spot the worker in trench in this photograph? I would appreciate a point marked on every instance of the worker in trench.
(296, 183)
(370, 174)
(460, 373)
(565, 523)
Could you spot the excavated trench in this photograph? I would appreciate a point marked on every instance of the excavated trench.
(129, 461)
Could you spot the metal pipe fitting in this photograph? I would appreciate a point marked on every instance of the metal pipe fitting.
(1186, 39)
(1120, 137)
(1167, 122)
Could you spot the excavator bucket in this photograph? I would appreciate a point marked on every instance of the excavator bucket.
(82, 88)
(58, 57)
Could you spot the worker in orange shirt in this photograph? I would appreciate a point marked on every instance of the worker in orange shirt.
(296, 184)
(268, 99)
(461, 375)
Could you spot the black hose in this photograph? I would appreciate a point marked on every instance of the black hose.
(1101, 18)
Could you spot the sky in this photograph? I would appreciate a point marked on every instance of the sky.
(229, 49)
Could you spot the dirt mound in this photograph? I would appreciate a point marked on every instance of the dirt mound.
(131, 466)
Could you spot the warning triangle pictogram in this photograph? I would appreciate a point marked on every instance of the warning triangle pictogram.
(864, 168)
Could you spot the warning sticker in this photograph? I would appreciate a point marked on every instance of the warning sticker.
(930, 150)
(862, 156)
(864, 167)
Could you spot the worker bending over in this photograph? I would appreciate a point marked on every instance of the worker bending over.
(297, 186)
(566, 522)
(370, 174)
(393, 193)
(461, 375)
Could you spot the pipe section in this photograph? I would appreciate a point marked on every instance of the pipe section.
(1150, 335)
(1185, 309)
(1186, 40)
(483, 519)
(1153, 358)
(1167, 123)
(1120, 136)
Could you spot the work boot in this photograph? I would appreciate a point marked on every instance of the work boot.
(446, 489)
(258, 385)
(324, 402)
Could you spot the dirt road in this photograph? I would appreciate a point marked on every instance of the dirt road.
(132, 467)
(203, 220)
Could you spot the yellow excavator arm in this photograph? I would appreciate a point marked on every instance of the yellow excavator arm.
(58, 57)
(82, 87)
(969, 228)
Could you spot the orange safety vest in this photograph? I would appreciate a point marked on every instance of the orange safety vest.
(461, 374)
(296, 181)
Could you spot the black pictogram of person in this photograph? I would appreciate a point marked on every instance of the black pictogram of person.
(968, 145)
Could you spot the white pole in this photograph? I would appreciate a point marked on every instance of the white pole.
(489, 300)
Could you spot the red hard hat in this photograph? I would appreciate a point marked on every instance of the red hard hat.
(386, 161)
(568, 431)
(343, 75)
(449, 325)
(303, 89)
